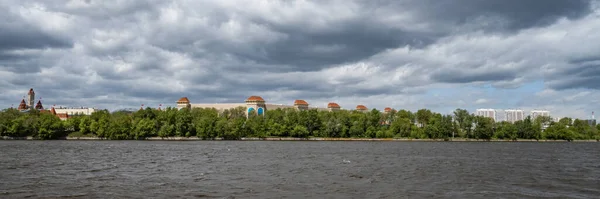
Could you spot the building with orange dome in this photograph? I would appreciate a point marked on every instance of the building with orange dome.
(255, 104)
(362, 108)
(387, 110)
(332, 106)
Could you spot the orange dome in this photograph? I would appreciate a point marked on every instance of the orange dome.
(387, 109)
(333, 105)
(300, 102)
(255, 99)
(361, 107)
(183, 100)
(31, 91)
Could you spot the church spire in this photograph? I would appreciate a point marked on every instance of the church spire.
(39, 106)
(22, 106)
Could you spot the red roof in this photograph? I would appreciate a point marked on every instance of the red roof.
(63, 115)
(333, 105)
(31, 91)
(300, 102)
(39, 105)
(361, 107)
(255, 99)
(183, 100)
(387, 109)
(59, 115)
(22, 106)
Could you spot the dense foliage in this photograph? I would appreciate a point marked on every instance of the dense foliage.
(233, 124)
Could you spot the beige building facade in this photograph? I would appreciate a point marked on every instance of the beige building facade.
(256, 104)
(74, 111)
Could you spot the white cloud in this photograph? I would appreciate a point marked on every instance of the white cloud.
(481, 101)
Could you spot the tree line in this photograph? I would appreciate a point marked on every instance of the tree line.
(233, 124)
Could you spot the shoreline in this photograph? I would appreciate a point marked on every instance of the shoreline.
(303, 139)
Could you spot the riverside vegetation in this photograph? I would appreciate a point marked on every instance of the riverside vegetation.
(233, 124)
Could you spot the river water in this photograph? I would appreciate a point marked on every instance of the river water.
(298, 169)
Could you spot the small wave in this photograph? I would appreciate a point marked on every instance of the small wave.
(355, 176)
(102, 169)
(73, 195)
(204, 196)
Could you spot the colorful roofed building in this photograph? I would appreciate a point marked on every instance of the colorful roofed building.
(62, 112)
(254, 104)
(361, 107)
(387, 110)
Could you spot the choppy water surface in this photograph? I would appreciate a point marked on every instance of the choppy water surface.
(278, 169)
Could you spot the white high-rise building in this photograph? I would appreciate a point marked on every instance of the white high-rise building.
(556, 119)
(513, 115)
(537, 113)
(491, 113)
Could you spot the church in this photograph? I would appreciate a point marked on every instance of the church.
(62, 112)
(26, 106)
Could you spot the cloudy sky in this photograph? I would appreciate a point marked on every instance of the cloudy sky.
(406, 54)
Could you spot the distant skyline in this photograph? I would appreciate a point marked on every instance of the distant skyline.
(405, 54)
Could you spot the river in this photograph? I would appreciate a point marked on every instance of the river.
(298, 169)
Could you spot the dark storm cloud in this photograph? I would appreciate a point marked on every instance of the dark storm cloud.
(352, 41)
(300, 49)
(360, 37)
(585, 75)
(518, 14)
(131, 52)
(21, 64)
(100, 10)
(462, 76)
(19, 41)
(15, 33)
(585, 59)
(13, 37)
(8, 57)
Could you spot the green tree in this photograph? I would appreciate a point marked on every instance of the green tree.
(401, 127)
(205, 121)
(558, 131)
(49, 127)
(145, 128)
(506, 130)
(406, 114)
(464, 121)
(484, 128)
(166, 130)
(299, 131)
(183, 123)
(119, 127)
(423, 116)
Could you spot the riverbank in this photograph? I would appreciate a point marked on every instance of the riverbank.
(304, 139)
